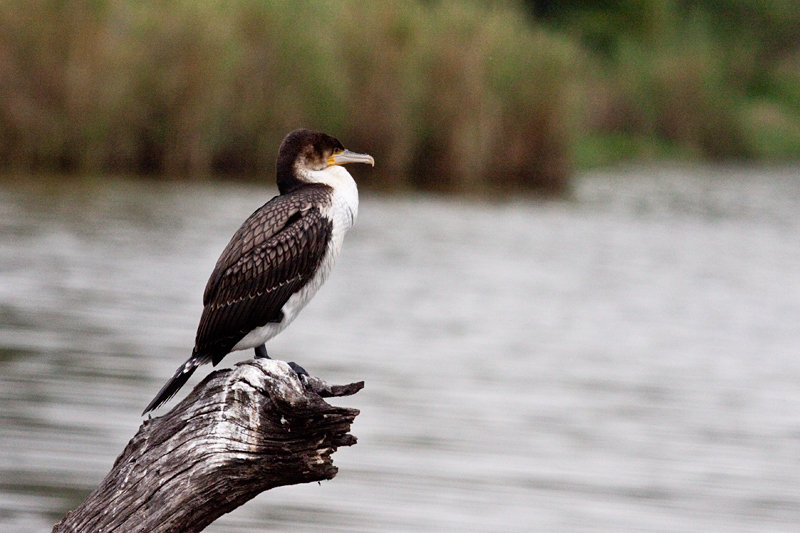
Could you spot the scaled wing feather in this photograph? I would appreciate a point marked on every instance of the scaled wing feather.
(272, 256)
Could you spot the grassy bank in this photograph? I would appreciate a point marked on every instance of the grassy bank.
(470, 97)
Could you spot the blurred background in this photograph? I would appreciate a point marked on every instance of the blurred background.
(464, 96)
(573, 290)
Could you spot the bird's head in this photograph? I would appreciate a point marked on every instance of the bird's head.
(305, 153)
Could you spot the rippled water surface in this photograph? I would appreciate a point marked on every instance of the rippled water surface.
(626, 361)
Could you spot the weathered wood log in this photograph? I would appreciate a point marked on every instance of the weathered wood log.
(240, 432)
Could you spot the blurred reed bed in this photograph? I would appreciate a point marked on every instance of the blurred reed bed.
(473, 97)
(447, 96)
(462, 97)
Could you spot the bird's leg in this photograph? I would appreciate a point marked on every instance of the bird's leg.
(261, 352)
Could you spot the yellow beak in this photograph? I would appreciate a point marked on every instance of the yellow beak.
(341, 158)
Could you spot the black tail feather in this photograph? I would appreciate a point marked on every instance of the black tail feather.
(174, 384)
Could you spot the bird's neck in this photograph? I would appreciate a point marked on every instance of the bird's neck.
(344, 187)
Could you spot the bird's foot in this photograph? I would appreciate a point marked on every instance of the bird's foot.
(261, 353)
(299, 370)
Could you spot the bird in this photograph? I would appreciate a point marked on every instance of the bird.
(279, 257)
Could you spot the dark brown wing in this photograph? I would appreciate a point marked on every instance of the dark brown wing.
(274, 253)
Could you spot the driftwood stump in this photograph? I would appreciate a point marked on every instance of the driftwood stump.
(240, 432)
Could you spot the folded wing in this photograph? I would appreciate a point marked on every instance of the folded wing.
(273, 255)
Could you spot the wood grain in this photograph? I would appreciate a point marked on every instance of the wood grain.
(240, 432)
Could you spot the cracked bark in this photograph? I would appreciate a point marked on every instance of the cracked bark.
(238, 433)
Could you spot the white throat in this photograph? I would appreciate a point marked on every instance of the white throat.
(344, 208)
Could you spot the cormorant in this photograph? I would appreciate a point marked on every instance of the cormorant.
(279, 257)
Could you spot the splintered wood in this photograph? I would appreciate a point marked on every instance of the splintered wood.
(240, 432)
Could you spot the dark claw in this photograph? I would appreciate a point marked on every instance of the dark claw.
(299, 370)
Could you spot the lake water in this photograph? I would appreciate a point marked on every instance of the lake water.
(628, 360)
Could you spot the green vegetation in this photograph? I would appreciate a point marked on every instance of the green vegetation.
(471, 96)
(692, 79)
